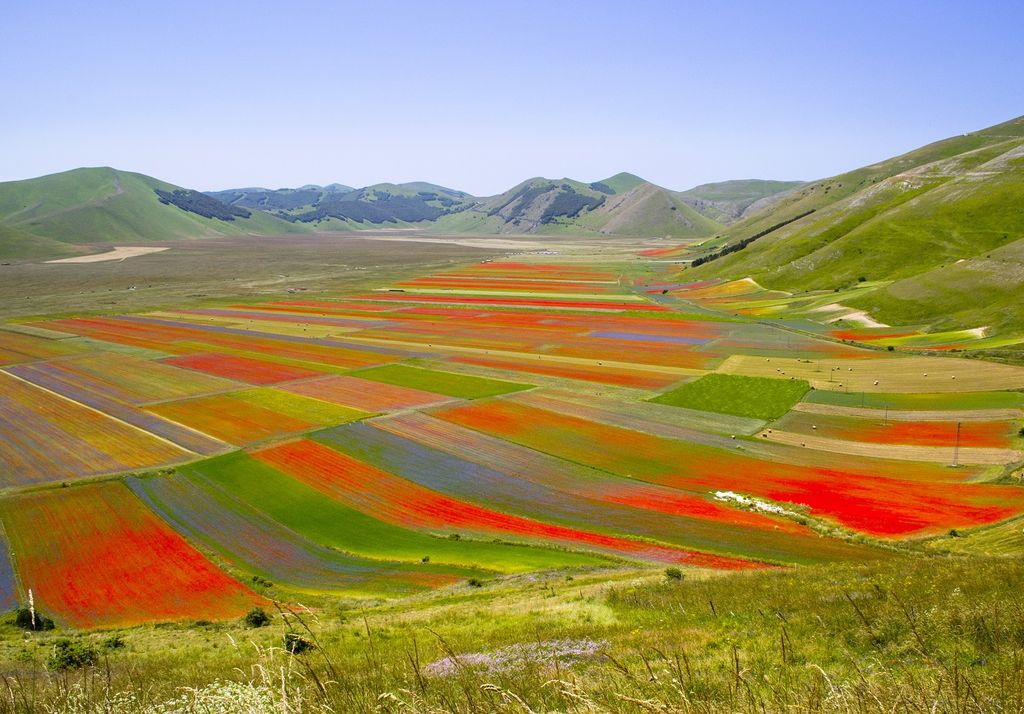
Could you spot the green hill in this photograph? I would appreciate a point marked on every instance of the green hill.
(940, 228)
(54, 215)
(622, 205)
(729, 201)
(338, 207)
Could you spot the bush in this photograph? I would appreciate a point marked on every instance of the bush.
(71, 654)
(296, 643)
(256, 617)
(23, 619)
(474, 583)
(425, 559)
(673, 573)
(113, 642)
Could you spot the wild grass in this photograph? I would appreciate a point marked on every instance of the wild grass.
(935, 634)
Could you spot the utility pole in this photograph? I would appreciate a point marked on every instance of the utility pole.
(956, 447)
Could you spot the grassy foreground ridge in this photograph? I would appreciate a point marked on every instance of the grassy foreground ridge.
(914, 635)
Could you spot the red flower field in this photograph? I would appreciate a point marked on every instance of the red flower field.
(95, 556)
(393, 499)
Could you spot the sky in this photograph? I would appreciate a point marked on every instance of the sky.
(481, 95)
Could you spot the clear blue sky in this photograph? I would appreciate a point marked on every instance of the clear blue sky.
(480, 95)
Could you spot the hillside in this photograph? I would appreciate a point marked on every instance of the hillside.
(729, 201)
(61, 213)
(338, 207)
(939, 229)
(622, 205)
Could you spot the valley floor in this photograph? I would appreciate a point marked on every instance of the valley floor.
(540, 477)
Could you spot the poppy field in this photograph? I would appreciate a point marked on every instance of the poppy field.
(96, 556)
(477, 423)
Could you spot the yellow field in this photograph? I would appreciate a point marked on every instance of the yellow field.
(886, 374)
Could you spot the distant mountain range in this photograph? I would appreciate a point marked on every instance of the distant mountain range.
(72, 212)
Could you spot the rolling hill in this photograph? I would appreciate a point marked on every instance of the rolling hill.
(622, 205)
(338, 207)
(730, 201)
(939, 229)
(62, 213)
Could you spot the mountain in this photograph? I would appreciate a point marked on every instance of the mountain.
(71, 212)
(281, 199)
(621, 205)
(58, 214)
(338, 207)
(729, 201)
(940, 229)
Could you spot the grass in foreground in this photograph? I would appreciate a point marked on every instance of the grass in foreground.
(756, 397)
(910, 635)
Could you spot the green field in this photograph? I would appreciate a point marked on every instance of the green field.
(936, 402)
(450, 384)
(755, 397)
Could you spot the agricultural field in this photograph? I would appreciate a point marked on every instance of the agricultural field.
(480, 423)
(756, 397)
(95, 556)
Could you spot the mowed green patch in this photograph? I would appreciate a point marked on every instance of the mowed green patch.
(450, 384)
(300, 407)
(321, 519)
(925, 402)
(757, 397)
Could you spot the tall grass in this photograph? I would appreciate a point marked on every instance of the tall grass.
(937, 634)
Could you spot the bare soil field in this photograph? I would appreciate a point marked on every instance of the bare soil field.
(119, 253)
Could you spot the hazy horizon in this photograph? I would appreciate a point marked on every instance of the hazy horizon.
(479, 99)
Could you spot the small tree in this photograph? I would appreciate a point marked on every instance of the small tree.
(24, 618)
(673, 573)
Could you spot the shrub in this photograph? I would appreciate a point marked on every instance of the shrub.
(296, 643)
(113, 642)
(891, 348)
(256, 617)
(673, 573)
(425, 559)
(23, 619)
(71, 654)
(474, 583)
